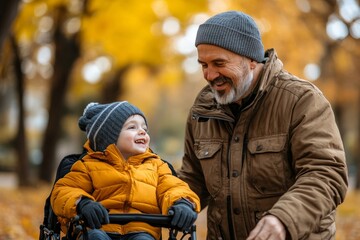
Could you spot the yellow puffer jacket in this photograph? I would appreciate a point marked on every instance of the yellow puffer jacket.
(142, 184)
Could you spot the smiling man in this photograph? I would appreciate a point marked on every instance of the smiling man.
(262, 149)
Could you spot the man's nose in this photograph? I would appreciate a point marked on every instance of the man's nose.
(211, 73)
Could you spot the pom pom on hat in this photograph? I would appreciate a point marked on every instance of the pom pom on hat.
(103, 122)
(234, 31)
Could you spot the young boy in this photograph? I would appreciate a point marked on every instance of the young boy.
(120, 174)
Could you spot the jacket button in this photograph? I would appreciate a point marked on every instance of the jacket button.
(236, 139)
(259, 147)
(236, 211)
(235, 173)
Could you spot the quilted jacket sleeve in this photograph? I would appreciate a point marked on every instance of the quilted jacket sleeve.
(68, 190)
(320, 167)
(171, 188)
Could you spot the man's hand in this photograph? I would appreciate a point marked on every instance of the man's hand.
(269, 227)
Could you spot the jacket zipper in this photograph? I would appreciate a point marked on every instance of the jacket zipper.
(244, 204)
(230, 222)
(228, 198)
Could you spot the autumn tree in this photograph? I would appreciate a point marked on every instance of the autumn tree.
(316, 41)
(75, 33)
(9, 9)
(336, 31)
(135, 50)
(67, 50)
(7, 16)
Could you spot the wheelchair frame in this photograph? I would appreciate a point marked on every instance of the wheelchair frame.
(77, 226)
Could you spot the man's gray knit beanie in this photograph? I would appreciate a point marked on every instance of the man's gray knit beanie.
(103, 122)
(234, 31)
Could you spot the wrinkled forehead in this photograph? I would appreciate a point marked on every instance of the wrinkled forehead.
(208, 52)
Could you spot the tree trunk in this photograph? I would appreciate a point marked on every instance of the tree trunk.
(9, 9)
(113, 88)
(23, 170)
(66, 53)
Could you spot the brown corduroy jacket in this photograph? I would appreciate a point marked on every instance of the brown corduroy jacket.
(283, 156)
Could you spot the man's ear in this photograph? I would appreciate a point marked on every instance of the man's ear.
(252, 64)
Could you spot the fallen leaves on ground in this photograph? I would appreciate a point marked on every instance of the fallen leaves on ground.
(21, 213)
(348, 218)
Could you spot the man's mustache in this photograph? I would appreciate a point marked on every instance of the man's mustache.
(220, 80)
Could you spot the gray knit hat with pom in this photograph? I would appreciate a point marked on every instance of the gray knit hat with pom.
(234, 31)
(103, 122)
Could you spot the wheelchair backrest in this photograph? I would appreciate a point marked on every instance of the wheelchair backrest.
(50, 222)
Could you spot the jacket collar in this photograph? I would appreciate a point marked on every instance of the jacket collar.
(272, 67)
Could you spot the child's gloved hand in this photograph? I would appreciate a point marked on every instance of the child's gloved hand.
(94, 213)
(183, 213)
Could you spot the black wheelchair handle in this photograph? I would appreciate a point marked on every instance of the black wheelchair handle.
(155, 220)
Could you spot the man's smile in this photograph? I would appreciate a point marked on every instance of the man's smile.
(220, 84)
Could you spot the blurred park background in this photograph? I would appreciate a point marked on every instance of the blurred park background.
(58, 55)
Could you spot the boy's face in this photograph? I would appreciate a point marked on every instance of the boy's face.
(134, 138)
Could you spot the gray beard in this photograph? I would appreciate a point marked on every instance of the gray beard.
(235, 93)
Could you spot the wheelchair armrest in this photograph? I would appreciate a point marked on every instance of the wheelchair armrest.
(155, 220)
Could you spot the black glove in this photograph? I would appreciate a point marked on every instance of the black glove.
(183, 213)
(93, 213)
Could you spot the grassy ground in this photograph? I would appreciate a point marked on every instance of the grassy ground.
(21, 212)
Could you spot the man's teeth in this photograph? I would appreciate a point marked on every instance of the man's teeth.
(219, 82)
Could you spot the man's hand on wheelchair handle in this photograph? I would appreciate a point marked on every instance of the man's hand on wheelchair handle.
(183, 213)
(94, 213)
